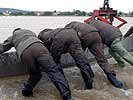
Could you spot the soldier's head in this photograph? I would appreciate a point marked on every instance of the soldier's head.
(44, 33)
(46, 37)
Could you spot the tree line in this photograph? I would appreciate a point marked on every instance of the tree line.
(59, 13)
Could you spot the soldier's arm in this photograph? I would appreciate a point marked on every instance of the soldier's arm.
(129, 32)
(97, 50)
(6, 45)
(79, 56)
(56, 49)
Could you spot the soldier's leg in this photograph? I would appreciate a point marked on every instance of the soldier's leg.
(117, 46)
(56, 50)
(82, 62)
(34, 73)
(34, 77)
(55, 75)
(43, 59)
(117, 57)
(97, 50)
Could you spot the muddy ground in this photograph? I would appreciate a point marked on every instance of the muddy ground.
(10, 87)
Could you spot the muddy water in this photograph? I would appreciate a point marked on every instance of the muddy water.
(10, 87)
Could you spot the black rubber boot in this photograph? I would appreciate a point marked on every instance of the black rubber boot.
(67, 98)
(112, 78)
(27, 90)
(89, 84)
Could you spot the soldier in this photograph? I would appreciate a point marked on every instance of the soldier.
(91, 39)
(66, 40)
(112, 36)
(60, 41)
(129, 32)
(33, 53)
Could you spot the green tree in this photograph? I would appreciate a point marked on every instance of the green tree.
(83, 13)
(1, 14)
(131, 14)
(17, 14)
(30, 13)
(121, 13)
(90, 14)
(48, 13)
(77, 12)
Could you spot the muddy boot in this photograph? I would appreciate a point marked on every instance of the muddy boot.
(121, 64)
(67, 98)
(27, 90)
(89, 84)
(112, 78)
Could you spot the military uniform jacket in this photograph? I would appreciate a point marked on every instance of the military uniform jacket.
(87, 34)
(59, 41)
(21, 39)
(107, 32)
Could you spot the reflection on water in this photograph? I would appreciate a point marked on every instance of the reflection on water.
(10, 87)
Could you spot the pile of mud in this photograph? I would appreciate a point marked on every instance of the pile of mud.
(10, 87)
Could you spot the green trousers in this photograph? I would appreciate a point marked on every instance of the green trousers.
(119, 53)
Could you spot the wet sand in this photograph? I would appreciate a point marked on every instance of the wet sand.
(10, 87)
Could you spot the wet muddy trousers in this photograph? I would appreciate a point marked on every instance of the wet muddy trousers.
(75, 50)
(119, 53)
(37, 56)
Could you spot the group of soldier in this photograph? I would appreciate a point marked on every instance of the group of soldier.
(44, 52)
